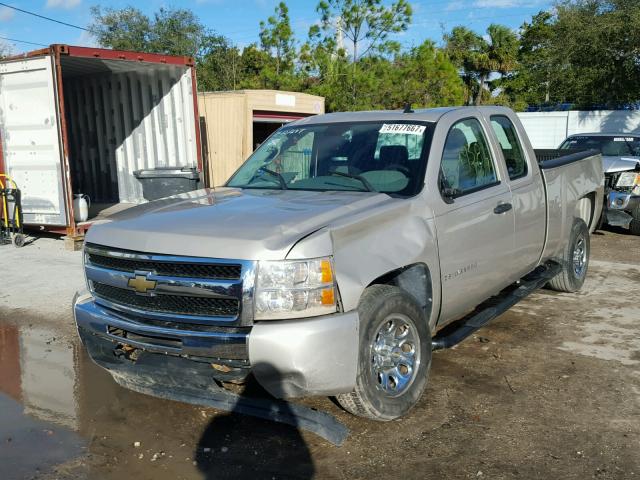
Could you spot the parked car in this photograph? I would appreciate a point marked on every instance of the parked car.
(333, 258)
(621, 161)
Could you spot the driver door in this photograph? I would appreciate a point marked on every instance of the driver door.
(474, 221)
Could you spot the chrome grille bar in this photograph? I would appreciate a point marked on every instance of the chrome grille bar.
(185, 290)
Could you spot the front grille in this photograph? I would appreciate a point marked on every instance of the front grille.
(610, 180)
(176, 304)
(190, 270)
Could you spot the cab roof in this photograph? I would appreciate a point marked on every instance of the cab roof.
(420, 115)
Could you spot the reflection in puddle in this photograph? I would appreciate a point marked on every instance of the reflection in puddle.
(30, 445)
(38, 413)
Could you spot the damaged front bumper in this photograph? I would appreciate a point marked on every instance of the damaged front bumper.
(289, 358)
(618, 206)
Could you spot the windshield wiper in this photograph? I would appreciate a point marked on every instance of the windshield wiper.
(281, 180)
(632, 151)
(360, 178)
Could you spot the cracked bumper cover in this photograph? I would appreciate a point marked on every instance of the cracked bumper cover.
(289, 358)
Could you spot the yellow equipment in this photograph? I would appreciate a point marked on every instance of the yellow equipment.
(11, 229)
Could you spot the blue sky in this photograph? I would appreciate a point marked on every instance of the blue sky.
(238, 19)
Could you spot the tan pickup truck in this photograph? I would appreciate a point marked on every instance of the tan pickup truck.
(334, 258)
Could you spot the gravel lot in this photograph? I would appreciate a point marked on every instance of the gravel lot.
(550, 389)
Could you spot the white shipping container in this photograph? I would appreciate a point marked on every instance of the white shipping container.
(82, 120)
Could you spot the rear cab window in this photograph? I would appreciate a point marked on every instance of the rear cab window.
(512, 150)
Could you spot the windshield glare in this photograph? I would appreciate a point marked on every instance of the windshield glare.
(613, 146)
(388, 157)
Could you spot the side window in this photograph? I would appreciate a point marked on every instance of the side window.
(511, 148)
(466, 162)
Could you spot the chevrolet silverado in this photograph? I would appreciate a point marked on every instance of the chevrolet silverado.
(345, 250)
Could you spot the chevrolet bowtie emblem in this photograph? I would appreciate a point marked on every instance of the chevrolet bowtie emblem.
(140, 284)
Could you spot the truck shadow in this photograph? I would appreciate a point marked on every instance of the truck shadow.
(236, 446)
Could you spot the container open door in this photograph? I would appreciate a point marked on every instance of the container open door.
(31, 140)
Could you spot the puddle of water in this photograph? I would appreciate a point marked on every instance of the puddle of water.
(64, 413)
(29, 445)
(37, 408)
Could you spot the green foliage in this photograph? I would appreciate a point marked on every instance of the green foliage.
(359, 22)
(599, 40)
(586, 54)
(219, 64)
(171, 31)
(276, 38)
(478, 58)
(352, 34)
(423, 76)
(125, 29)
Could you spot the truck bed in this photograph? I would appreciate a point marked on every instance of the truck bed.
(569, 178)
(551, 158)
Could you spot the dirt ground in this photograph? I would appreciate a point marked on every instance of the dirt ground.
(550, 389)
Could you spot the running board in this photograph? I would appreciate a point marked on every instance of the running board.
(495, 306)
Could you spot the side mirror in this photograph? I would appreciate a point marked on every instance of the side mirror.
(450, 194)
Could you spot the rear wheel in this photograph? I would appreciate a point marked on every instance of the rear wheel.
(394, 356)
(575, 260)
(634, 226)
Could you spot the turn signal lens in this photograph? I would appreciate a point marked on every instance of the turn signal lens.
(327, 273)
(328, 297)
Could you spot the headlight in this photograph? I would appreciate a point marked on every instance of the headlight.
(295, 289)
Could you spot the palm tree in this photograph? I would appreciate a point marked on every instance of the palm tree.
(478, 57)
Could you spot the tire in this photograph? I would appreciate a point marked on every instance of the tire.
(575, 260)
(18, 240)
(634, 226)
(388, 396)
(600, 222)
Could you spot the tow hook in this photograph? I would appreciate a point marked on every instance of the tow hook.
(126, 351)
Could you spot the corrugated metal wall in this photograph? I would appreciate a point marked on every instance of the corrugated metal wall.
(122, 122)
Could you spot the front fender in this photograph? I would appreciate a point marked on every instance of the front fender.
(367, 246)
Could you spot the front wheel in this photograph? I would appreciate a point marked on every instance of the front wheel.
(634, 226)
(394, 355)
(575, 260)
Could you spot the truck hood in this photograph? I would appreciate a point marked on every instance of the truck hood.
(230, 223)
(619, 164)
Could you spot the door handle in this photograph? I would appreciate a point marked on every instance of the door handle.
(502, 208)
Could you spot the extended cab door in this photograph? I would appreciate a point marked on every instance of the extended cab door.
(474, 220)
(527, 190)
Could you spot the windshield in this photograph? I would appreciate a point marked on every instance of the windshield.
(613, 146)
(388, 157)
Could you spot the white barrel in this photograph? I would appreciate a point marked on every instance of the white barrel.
(81, 203)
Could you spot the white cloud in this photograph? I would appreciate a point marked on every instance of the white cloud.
(6, 14)
(85, 39)
(455, 5)
(495, 3)
(66, 4)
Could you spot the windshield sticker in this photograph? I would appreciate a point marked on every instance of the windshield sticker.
(292, 131)
(406, 128)
(621, 139)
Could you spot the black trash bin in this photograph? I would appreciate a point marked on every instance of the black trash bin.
(166, 181)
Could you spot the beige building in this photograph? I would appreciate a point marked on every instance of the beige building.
(234, 123)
